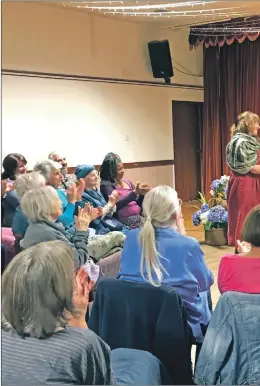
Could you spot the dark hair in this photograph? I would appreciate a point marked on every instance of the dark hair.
(10, 164)
(108, 169)
(251, 227)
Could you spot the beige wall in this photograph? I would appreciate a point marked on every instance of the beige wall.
(135, 121)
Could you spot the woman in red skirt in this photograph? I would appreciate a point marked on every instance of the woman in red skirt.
(243, 158)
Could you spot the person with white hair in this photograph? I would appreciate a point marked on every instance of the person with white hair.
(43, 207)
(24, 183)
(160, 253)
(67, 179)
(51, 171)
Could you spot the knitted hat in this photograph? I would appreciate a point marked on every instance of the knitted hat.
(83, 170)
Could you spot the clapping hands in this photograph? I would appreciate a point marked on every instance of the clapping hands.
(85, 216)
(113, 198)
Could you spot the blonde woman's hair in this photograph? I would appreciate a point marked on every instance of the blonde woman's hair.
(241, 124)
(159, 206)
(37, 204)
(37, 290)
(28, 181)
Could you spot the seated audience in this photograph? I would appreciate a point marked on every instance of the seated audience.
(241, 272)
(46, 340)
(24, 183)
(13, 164)
(67, 179)
(160, 254)
(106, 222)
(51, 172)
(129, 204)
(43, 207)
(230, 353)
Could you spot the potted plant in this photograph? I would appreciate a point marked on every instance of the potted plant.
(213, 214)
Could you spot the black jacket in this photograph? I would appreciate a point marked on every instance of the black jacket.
(140, 316)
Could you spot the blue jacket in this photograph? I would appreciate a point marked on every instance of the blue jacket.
(20, 222)
(67, 217)
(9, 205)
(185, 268)
(230, 353)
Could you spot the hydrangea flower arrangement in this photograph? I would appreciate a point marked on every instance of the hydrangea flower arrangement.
(213, 214)
(218, 188)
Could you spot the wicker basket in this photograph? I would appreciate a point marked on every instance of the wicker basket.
(216, 237)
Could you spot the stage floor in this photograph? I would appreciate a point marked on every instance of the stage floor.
(212, 254)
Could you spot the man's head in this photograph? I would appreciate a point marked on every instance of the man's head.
(61, 160)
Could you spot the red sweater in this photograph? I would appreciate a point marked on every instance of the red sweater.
(239, 274)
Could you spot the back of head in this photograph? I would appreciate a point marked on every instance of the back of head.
(160, 207)
(251, 227)
(108, 169)
(28, 181)
(46, 167)
(37, 204)
(10, 164)
(37, 289)
(241, 124)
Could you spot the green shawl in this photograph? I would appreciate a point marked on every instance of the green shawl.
(242, 153)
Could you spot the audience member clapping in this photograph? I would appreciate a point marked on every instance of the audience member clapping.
(129, 204)
(43, 207)
(51, 171)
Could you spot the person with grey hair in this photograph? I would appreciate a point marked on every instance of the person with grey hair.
(44, 304)
(24, 183)
(51, 171)
(67, 179)
(43, 207)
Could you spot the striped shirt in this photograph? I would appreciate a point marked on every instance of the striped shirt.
(70, 356)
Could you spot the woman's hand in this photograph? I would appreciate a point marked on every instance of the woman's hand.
(82, 289)
(6, 186)
(141, 190)
(96, 213)
(80, 189)
(113, 198)
(243, 247)
(72, 194)
(84, 218)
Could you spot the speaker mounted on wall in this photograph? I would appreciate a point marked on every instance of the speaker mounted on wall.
(161, 61)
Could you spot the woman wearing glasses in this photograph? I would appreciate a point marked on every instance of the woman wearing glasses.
(161, 253)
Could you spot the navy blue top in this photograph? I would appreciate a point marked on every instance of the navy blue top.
(183, 260)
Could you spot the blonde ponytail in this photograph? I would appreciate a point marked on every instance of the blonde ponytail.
(150, 257)
(159, 206)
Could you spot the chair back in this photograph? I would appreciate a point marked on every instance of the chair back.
(140, 316)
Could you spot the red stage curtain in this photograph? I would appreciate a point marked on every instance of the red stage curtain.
(231, 86)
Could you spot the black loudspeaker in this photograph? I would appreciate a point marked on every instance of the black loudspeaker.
(161, 61)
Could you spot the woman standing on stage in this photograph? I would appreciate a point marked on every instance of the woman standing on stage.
(243, 158)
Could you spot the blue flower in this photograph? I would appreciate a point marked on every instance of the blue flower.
(225, 217)
(196, 218)
(217, 214)
(215, 185)
(204, 208)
